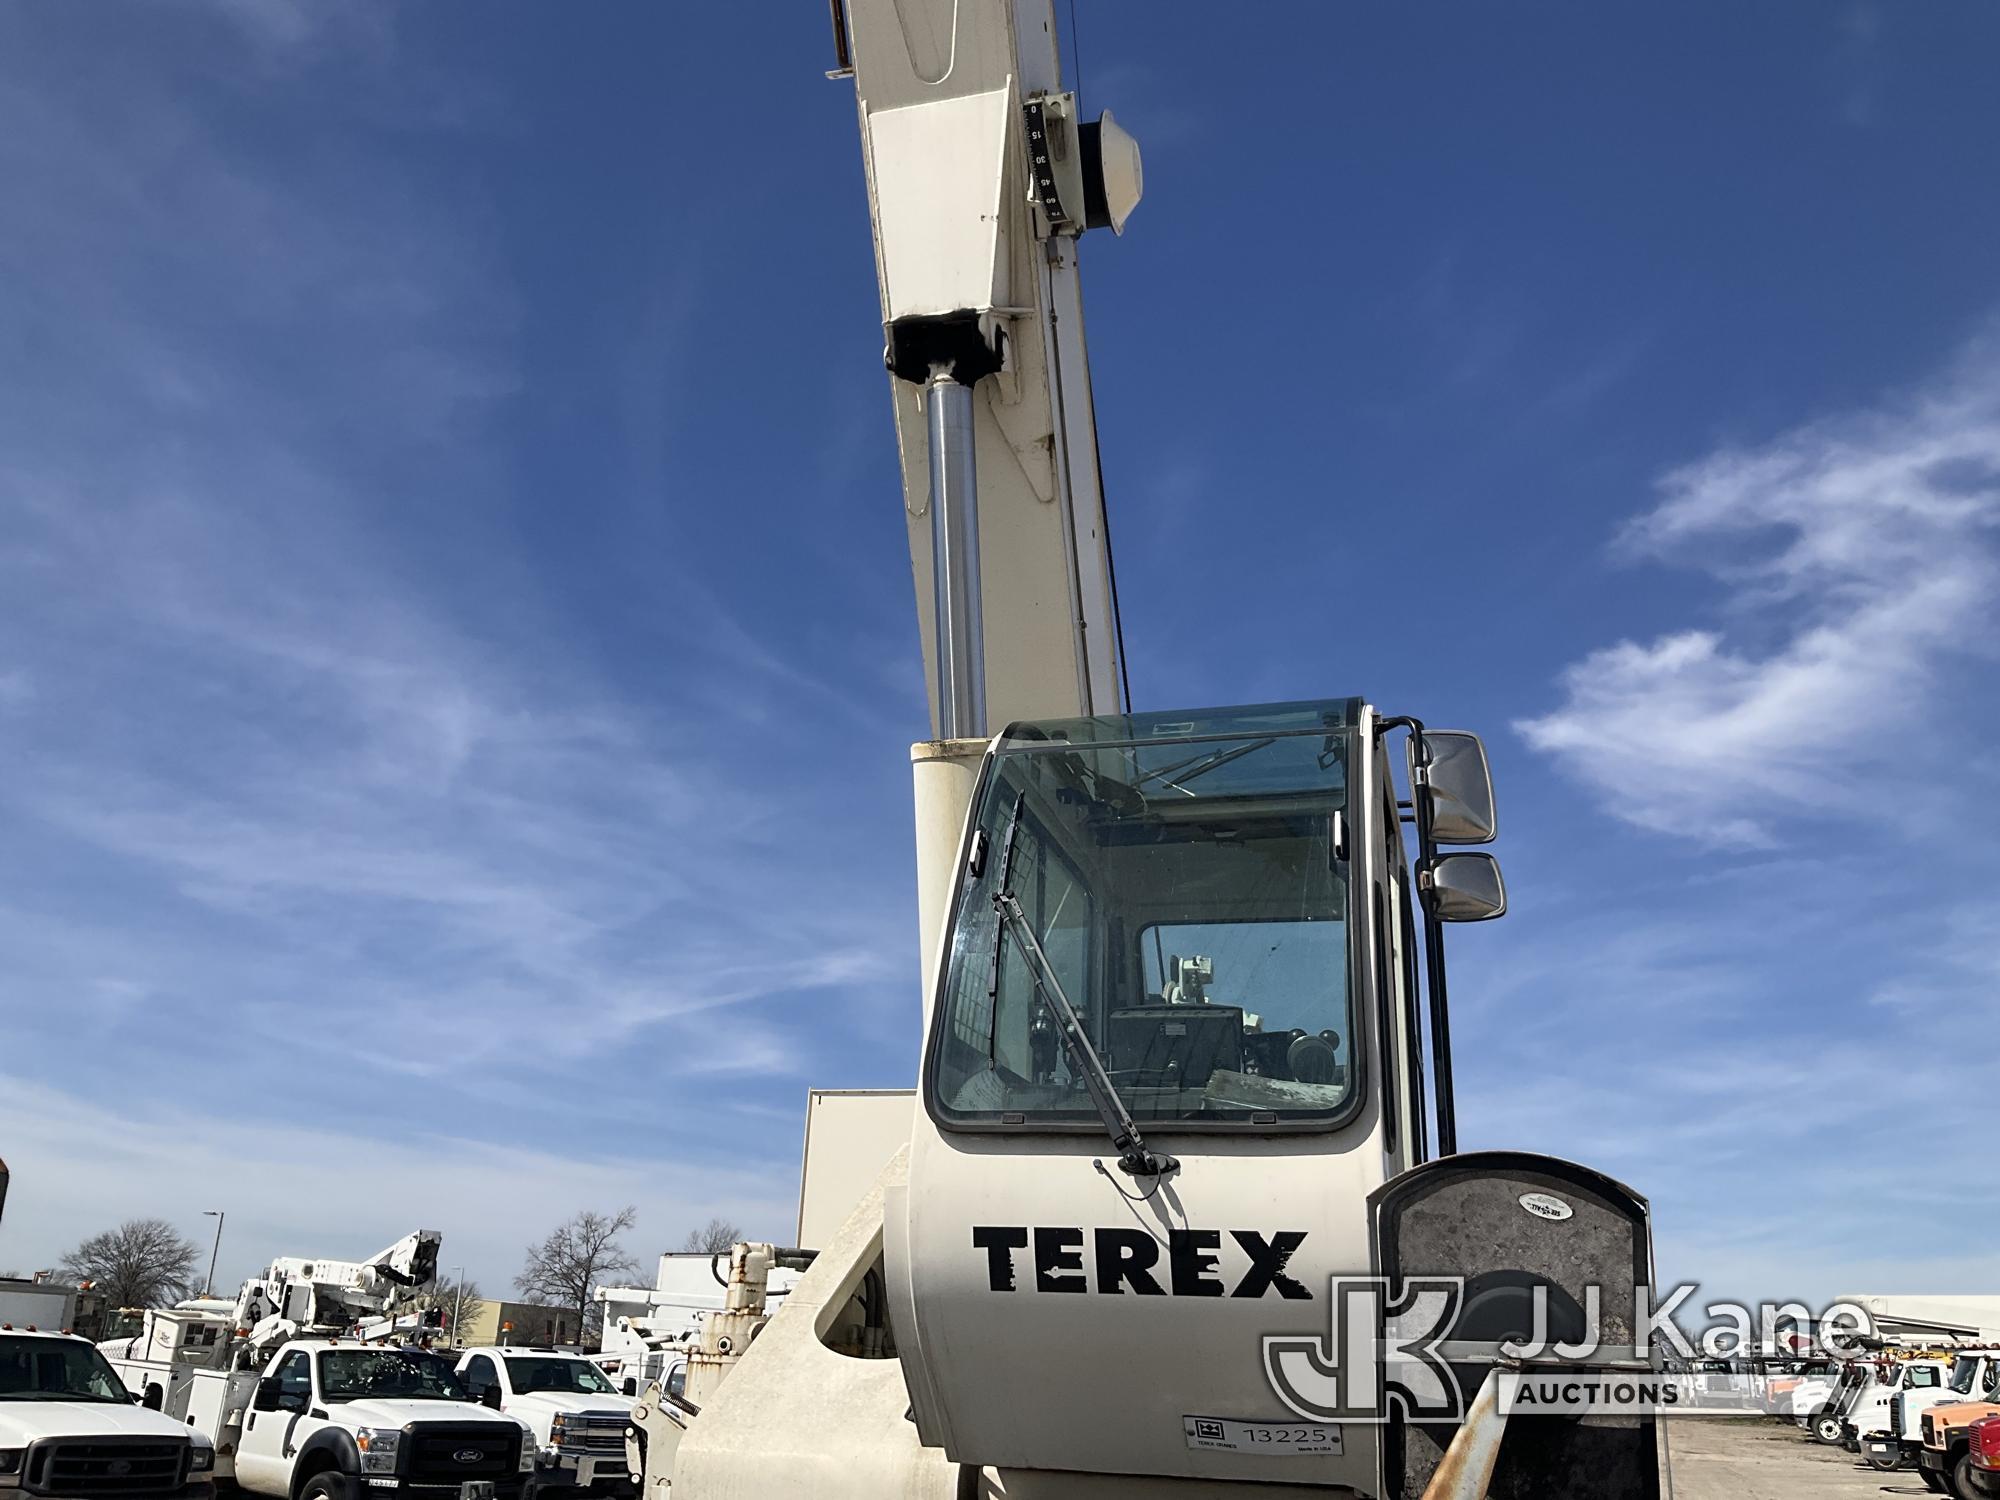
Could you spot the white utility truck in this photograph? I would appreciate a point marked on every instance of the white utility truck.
(334, 1420)
(1869, 1414)
(1173, 1079)
(68, 1427)
(293, 1295)
(1974, 1376)
(574, 1413)
(203, 1362)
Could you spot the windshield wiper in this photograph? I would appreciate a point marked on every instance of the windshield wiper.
(1133, 1157)
(1176, 776)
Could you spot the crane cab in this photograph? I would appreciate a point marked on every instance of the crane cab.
(1224, 904)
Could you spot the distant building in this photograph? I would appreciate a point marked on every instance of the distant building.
(518, 1323)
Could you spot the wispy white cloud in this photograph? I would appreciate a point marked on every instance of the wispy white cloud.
(284, 693)
(1856, 557)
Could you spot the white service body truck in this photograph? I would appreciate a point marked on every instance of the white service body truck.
(339, 1420)
(576, 1415)
(68, 1427)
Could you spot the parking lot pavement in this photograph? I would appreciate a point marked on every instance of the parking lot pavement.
(1722, 1458)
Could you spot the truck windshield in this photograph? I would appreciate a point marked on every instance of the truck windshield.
(41, 1369)
(1963, 1372)
(1186, 878)
(357, 1374)
(545, 1373)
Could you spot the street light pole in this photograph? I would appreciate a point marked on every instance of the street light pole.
(208, 1286)
(457, 1306)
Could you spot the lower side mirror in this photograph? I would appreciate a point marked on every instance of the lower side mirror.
(266, 1398)
(1467, 888)
(490, 1397)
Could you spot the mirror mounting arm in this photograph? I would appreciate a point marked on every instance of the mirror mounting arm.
(1434, 972)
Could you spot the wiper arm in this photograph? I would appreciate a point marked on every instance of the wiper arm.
(1178, 774)
(1133, 1157)
(1006, 887)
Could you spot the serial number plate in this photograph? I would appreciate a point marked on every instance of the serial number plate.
(1276, 1439)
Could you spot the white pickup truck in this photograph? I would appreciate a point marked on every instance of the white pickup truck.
(69, 1428)
(577, 1415)
(334, 1420)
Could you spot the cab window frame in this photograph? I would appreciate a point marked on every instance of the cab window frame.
(1360, 864)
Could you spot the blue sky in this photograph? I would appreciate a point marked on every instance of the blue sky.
(457, 654)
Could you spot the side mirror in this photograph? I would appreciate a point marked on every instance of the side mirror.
(631, 1386)
(268, 1394)
(1461, 787)
(1468, 888)
(490, 1397)
(154, 1399)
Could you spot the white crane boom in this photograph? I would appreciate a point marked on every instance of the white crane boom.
(977, 180)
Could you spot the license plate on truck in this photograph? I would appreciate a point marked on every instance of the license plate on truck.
(586, 1473)
(476, 1489)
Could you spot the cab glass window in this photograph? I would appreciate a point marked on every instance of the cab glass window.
(1186, 883)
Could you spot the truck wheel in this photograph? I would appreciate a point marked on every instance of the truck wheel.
(1827, 1429)
(1962, 1482)
(1886, 1462)
(333, 1486)
(1932, 1479)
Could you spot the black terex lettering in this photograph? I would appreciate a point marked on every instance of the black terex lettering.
(1127, 1255)
(1127, 1260)
(1267, 1264)
(999, 1243)
(1059, 1250)
(1191, 1254)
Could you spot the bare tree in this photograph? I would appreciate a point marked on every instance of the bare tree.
(141, 1263)
(576, 1256)
(716, 1234)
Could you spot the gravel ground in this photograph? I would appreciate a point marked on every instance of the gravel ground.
(1719, 1458)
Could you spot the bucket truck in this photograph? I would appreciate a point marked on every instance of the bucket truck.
(294, 1296)
(1174, 1090)
(298, 1356)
